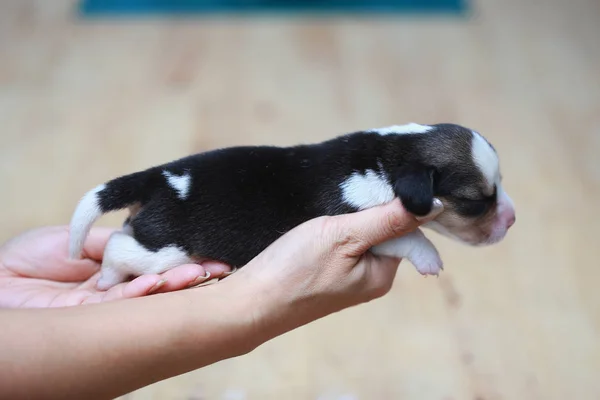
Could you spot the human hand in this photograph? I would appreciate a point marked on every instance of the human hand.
(324, 266)
(35, 271)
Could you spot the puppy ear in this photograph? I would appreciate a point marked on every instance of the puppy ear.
(414, 186)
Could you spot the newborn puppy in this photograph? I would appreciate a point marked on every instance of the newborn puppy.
(230, 204)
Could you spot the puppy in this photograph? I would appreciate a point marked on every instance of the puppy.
(230, 204)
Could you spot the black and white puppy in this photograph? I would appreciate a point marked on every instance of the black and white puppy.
(230, 204)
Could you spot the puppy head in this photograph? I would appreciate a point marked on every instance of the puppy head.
(462, 169)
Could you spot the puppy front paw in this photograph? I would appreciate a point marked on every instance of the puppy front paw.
(428, 263)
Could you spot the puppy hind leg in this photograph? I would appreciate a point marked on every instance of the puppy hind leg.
(110, 277)
(115, 262)
(124, 256)
(416, 248)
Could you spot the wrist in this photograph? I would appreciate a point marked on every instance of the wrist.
(255, 308)
(232, 307)
(271, 307)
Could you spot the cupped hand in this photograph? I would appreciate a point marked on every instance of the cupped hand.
(35, 271)
(324, 265)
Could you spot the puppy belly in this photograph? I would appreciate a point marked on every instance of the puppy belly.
(416, 248)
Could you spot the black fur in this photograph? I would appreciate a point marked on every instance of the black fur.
(413, 184)
(241, 199)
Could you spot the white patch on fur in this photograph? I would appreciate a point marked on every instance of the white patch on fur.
(486, 159)
(86, 213)
(181, 184)
(403, 129)
(365, 191)
(124, 256)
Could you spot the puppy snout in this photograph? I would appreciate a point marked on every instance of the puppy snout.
(511, 221)
(506, 211)
(507, 218)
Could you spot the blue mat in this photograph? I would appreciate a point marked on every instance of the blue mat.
(198, 7)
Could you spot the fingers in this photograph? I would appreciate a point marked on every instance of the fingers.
(140, 286)
(364, 229)
(126, 290)
(93, 250)
(144, 285)
(95, 242)
(78, 271)
(216, 269)
(180, 277)
(381, 275)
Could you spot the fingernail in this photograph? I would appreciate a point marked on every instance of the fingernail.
(230, 272)
(436, 209)
(158, 285)
(200, 279)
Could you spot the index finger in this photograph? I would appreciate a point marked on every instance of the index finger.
(364, 229)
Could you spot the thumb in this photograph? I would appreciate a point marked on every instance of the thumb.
(364, 229)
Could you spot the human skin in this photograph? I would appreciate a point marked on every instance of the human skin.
(36, 273)
(114, 344)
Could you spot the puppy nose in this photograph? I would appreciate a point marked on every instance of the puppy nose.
(511, 221)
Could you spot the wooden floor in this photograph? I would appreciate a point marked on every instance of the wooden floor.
(82, 102)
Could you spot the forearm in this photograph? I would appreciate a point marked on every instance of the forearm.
(105, 350)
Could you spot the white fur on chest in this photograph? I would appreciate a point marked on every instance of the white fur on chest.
(368, 190)
(373, 189)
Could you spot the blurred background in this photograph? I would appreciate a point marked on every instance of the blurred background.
(93, 90)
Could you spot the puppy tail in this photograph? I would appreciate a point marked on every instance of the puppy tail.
(114, 195)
